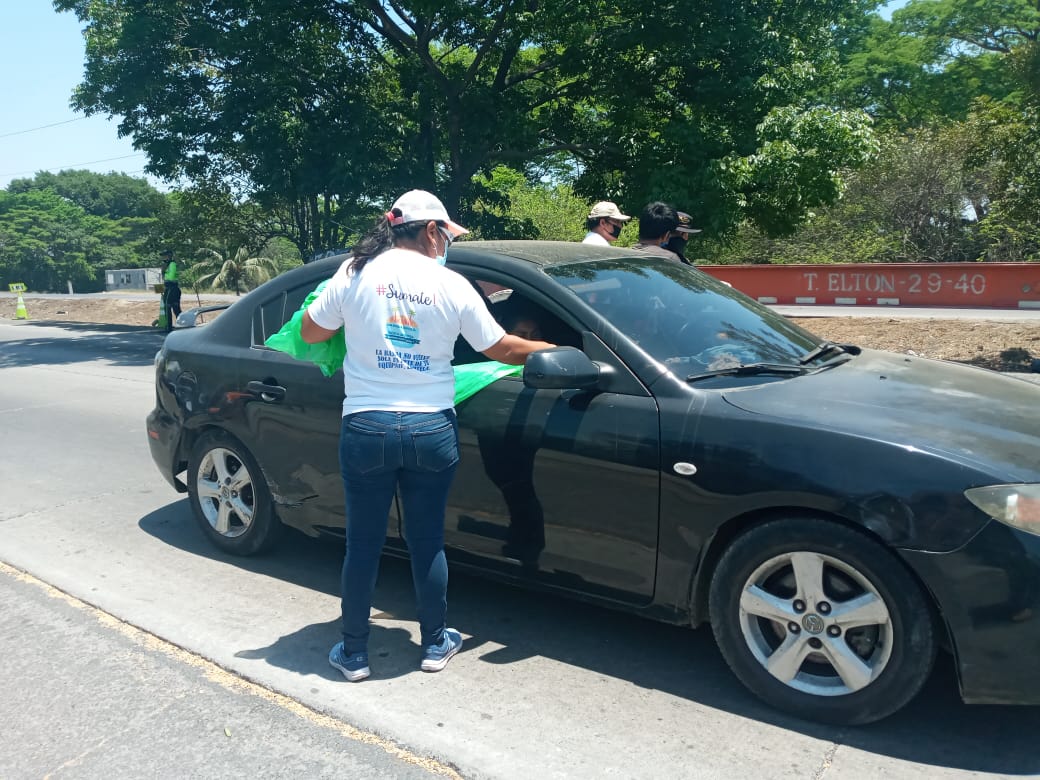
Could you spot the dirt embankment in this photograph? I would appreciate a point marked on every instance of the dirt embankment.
(1004, 346)
(103, 310)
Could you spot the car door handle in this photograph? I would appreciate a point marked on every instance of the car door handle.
(271, 394)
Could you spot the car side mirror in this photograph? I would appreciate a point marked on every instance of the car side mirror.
(192, 318)
(562, 368)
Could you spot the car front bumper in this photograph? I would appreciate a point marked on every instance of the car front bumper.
(989, 595)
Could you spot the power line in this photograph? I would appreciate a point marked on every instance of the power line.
(42, 127)
(74, 165)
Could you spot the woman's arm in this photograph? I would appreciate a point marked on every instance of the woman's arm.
(311, 332)
(514, 350)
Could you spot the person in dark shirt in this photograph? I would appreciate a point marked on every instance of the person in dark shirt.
(657, 224)
(681, 235)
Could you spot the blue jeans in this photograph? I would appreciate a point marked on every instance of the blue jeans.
(380, 452)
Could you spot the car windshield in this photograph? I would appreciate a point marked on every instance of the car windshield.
(682, 317)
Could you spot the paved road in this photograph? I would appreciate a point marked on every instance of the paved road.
(127, 295)
(86, 696)
(545, 687)
(912, 312)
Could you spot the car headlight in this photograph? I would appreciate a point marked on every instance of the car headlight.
(1014, 505)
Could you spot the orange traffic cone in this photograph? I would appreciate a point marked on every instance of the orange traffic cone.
(19, 312)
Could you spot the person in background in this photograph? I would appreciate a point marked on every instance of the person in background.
(604, 224)
(677, 243)
(172, 288)
(657, 224)
(401, 312)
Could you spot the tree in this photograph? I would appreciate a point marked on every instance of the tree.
(111, 195)
(44, 242)
(935, 57)
(943, 193)
(114, 227)
(232, 270)
(1003, 150)
(694, 108)
(327, 109)
(508, 205)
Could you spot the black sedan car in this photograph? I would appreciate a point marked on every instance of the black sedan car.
(838, 515)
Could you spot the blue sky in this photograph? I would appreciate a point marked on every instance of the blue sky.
(41, 62)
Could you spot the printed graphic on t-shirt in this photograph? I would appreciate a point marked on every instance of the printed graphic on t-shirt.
(421, 298)
(402, 330)
(388, 358)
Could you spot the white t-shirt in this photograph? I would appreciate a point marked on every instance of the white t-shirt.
(595, 238)
(401, 316)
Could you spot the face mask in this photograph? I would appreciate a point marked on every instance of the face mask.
(676, 244)
(443, 257)
(615, 230)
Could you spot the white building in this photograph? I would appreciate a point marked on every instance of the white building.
(132, 279)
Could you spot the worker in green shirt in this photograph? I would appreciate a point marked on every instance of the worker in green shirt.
(172, 289)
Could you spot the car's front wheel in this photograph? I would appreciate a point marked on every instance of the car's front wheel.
(821, 621)
(229, 496)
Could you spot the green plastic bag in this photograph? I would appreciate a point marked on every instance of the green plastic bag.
(473, 377)
(327, 355)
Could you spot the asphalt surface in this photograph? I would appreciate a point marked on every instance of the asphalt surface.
(86, 695)
(912, 312)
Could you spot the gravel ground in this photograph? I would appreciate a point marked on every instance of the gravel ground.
(1002, 346)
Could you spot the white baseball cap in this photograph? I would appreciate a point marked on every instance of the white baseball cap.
(422, 206)
(607, 210)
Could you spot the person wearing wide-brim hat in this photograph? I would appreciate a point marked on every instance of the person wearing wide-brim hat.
(604, 224)
(401, 311)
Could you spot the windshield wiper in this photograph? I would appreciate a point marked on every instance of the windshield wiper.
(750, 369)
(837, 360)
(824, 348)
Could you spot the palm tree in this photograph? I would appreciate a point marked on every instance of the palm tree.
(232, 272)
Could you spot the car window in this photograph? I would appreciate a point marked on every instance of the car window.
(681, 316)
(517, 313)
(277, 310)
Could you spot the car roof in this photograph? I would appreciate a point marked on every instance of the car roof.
(541, 253)
(533, 253)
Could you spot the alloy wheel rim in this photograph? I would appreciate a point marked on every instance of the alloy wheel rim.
(816, 624)
(225, 490)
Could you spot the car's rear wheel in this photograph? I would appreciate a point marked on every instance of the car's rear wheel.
(821, 621)
(229, 496)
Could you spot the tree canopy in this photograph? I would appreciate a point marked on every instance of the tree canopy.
(71, 226)
(854, 136)
(322, 108)
(111, 195)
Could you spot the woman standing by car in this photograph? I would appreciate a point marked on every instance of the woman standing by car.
(401, 312)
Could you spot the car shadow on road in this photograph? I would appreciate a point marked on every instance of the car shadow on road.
(121, 345)
(508, 624)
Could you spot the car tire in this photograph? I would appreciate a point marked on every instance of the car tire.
(821, 621)
(229, 496)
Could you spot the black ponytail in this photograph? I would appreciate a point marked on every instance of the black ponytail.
(381, 237)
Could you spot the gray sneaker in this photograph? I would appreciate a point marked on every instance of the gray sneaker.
(436, 657)
(354, 667)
